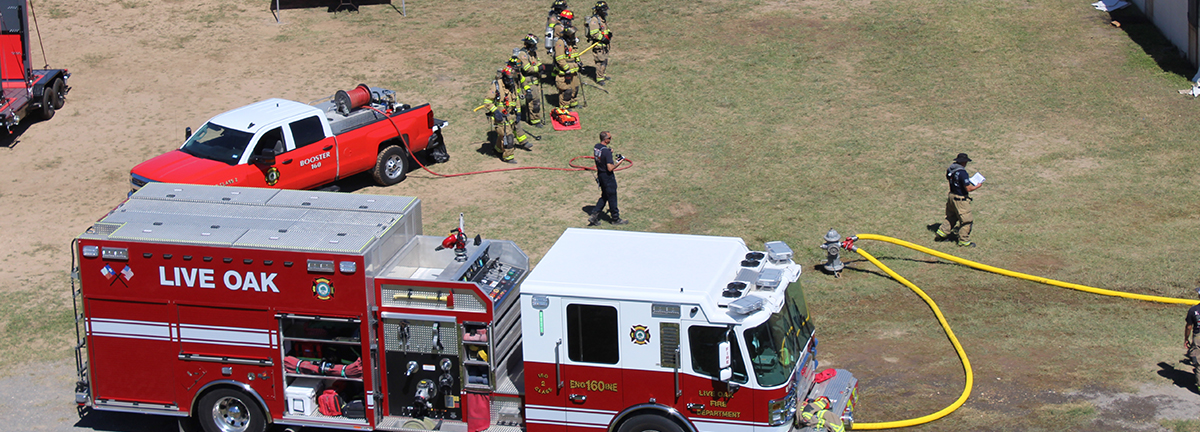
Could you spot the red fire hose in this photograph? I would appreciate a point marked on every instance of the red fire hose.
(571, 163)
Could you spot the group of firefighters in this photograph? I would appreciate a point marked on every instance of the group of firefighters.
(515, 96)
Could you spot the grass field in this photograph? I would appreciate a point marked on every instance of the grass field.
(778, 120)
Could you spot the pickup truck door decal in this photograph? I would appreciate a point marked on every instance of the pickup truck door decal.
(306, 165)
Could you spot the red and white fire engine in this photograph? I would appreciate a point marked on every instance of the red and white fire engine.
(242, 307)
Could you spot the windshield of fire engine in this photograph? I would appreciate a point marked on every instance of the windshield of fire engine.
(217, 143)
(777, 344)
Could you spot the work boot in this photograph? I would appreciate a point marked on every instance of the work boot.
(619, 221)
(940, 236)
(966, 243)
(594, 219)
(527, 145)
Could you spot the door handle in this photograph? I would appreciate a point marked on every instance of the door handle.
(326, 148)
(287, 161)
(577, 398)
(695, 407)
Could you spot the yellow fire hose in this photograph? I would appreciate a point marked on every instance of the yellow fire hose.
(586, 49)
(962, 355)
(953, 340)
(1046, 281)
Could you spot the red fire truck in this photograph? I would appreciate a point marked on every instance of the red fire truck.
(292, 145)
(243, 307)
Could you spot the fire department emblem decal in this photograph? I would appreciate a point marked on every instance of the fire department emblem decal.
(272, 176)
(323, 289)
(640, 334)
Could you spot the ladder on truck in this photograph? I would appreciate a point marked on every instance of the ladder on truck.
(81, 386)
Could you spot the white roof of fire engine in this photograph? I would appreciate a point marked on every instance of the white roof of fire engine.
(253, 117)
(257, 218)
(638, 266)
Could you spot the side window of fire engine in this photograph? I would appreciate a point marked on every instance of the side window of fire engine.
(307, 131)
(702, 342)
(592, 334)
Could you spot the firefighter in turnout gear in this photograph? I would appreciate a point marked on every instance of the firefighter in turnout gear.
(566, 69)
(598, 32)
(554, 23)
(531, 79)
(504, 107)
(817, 416)
(958, 220)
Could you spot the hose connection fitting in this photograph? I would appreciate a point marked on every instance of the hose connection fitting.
(833, 252)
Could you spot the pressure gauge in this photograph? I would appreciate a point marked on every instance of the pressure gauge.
(447, 364)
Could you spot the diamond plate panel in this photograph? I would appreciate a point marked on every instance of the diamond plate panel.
(341, 201)
(203, 193)
(189, 234)
(420, 337)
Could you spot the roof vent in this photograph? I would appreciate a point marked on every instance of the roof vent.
(778, 252)
(769, 279)
(746, 305)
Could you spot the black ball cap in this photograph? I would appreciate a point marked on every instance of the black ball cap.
(962, 157)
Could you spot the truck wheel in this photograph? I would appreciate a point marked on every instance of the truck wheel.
(391, 166)
(228, 410)
(649, 423)
(59, 100)
(48, 97)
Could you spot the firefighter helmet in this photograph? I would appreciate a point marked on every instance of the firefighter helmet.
(530, 40)
(600, 6)
(566, 14)
(558, 5)
(568, 32)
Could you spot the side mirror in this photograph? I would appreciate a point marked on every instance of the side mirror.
(187, 133)
(267, 157)
(725, 361)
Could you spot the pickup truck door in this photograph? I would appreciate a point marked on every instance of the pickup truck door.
(310, 157)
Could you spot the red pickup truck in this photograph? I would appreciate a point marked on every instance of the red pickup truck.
(284, 144)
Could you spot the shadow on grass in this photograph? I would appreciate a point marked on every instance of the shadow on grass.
(1143, 32)
(331, 5)
(11, 139)
(1181, 379)
(126, 422)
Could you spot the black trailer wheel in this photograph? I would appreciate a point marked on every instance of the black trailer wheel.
(48, 97)
(59, 99)
(391, 166)
(649, 423)
(228, 410)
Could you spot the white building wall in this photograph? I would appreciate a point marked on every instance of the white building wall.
(1170, 16)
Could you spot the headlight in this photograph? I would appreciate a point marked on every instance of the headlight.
(136, 182)
(780, 411)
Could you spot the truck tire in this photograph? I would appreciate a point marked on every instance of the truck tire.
(228, 410)
(48, 98)
(649, 423)
(391, 166)
(59, 99)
